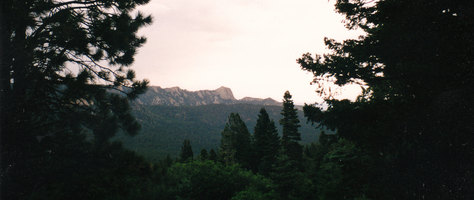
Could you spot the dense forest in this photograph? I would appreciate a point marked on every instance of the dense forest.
(163, 128)
(409, 135)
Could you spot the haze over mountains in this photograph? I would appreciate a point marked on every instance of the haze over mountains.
(170, 115)
(176, 96)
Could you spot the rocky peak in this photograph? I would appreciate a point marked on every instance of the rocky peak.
(225, 93)
(176, 96)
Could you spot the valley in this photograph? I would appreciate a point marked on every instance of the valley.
(169, 116)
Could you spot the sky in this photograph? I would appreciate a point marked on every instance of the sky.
(250, 46)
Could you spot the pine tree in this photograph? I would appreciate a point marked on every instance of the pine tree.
(212, 155)
(290, 136)
(414, 116)
(236, 142)
(291, 182)
(43, 98)
(266, 142)
(186, 153)
(227, 150)
(203, 155)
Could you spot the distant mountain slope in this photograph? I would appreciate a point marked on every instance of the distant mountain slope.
(176, 96)
(165, 127)
(257, 101)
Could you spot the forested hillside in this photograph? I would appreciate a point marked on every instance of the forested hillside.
(165, 127)
(409, 135)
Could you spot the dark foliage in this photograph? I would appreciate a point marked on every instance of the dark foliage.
(413, 119)
(214, 180)
(56, 111)
(203, 155)
(266, 143)
(236, 142)
(290, 135)
(212, 155)
(186, 153)
(165, 127)
(408, 136)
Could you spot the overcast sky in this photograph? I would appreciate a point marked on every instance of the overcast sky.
(250, 46)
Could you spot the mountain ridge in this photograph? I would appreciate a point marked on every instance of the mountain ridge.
(168, 116)
(175, 96)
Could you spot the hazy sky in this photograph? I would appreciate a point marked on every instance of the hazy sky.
(250, 46)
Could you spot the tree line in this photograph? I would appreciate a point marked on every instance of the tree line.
(409, 135)
(324, 170)
(262, 153)
(163, 128)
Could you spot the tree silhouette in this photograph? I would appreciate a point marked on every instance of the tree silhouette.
(290, 136)
(266, 142)
(186, 153)
(59, 61)
(415, 66)
(235, 142)
(203, 155)
(212, 155)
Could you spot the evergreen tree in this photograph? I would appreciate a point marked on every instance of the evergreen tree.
(339, 175)
(203, 155)
(186, 153)
(290, 123)
(42, 99)
(205, 180)
(288, 166)
(414, 116)
(235, 142)
(290, 181)
(212, 155)
(227, 150)
(266, 142)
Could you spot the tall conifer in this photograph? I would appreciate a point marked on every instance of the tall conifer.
(266, 142)
(204, 155)
(290, 123)
(58, 61)
(414, 117)
(186, 151)
(212, 155)
(235, 142)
